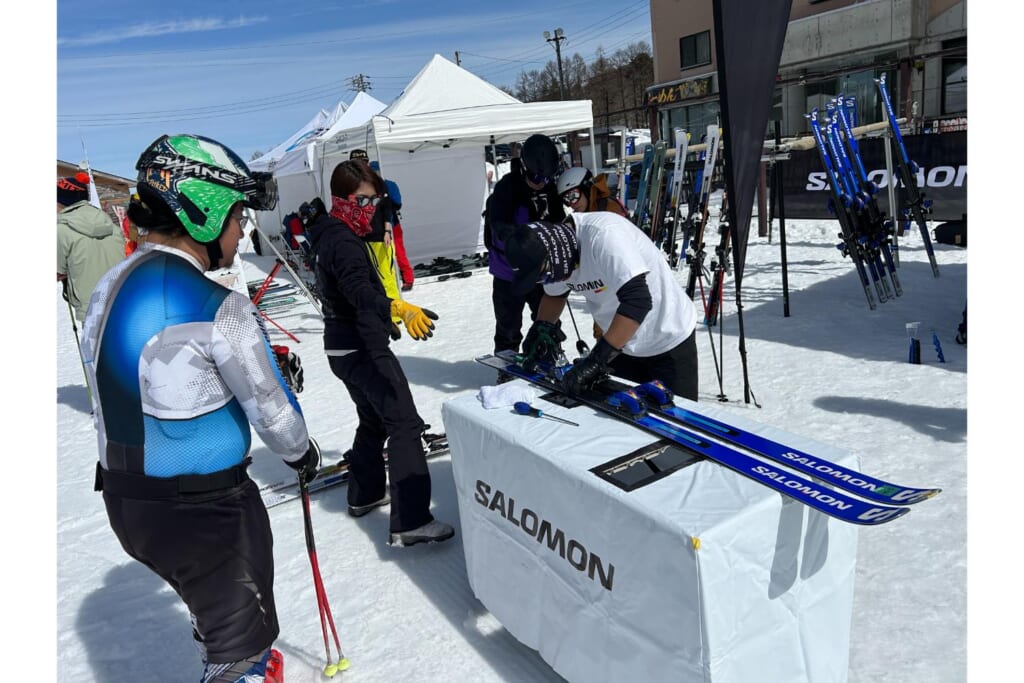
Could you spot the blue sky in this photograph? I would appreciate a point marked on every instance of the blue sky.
(249, 74)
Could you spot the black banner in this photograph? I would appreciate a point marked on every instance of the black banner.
(748, 45)
(942, 176)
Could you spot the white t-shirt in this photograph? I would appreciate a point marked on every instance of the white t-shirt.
(613, 252)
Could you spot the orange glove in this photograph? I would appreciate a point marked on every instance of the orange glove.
(417, 320)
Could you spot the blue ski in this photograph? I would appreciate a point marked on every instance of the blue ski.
(629, 407)
(659, 402)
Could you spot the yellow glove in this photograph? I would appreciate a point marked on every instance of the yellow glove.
(417, 320)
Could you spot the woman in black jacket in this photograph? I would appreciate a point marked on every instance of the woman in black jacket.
(357, 334)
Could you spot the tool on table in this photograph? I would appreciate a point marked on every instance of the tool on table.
(524, 408)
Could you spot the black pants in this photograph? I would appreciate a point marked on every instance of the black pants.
(508, 313)
(386, 411)
(216, 551)
(676, 368)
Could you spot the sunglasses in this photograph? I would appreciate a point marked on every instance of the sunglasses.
(243, 220)
(363, 201)
(572, 196)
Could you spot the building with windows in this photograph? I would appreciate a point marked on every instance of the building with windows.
(832, 47)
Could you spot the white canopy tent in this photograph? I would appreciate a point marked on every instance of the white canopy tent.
(431, 141)
(318, 124)
(296, 170)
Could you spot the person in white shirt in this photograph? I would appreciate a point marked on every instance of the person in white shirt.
(631, 293)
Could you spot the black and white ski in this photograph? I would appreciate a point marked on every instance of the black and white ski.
(672, 221)
(329, 476)
(699, 212)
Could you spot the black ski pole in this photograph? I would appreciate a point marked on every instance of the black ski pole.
(582, 347)
(78, 343)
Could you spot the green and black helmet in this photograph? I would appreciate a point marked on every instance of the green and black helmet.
(199, 180)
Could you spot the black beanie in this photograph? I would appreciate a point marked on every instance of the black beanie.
(541, 252)
(73, 189)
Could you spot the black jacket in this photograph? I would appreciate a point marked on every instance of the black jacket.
(513, 202)
(357, 311)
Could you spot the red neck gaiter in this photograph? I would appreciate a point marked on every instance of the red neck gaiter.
(351, 214)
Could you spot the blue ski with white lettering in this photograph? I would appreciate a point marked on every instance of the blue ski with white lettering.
(629, 407)
(659, 402)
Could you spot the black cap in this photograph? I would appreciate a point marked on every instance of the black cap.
(526, 253)
(358, 154)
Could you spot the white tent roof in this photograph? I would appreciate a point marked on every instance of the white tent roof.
(323, 120)
(363, 107)
(301, 158)
(447, 105)
(443, 86)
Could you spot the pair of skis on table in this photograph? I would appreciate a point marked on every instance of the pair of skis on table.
(329, 476)
(858, 498)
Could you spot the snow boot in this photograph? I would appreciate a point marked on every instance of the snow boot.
(431, 532)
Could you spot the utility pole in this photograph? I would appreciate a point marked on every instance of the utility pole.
(557, 40)
(360, 83)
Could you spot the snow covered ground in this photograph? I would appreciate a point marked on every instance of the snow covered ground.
(832, 370)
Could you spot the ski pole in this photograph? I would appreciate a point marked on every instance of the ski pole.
(321, 595)
(524, 408)
(78, 344)
(581, 346)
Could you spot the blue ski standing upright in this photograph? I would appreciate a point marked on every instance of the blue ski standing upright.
(917, 204)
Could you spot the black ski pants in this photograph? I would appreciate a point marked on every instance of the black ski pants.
(386, 411)
(508, 313)
(676, 368)
(216, 551)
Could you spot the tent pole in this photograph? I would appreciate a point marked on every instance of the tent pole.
(593, 153)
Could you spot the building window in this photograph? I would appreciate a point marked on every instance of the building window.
(694, 50)
(954, 78)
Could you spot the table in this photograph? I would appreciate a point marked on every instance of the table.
(698, 575)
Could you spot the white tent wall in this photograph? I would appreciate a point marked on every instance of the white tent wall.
(443, 193)
(292, 190)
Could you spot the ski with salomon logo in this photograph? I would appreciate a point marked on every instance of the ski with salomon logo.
(629, 407)
(660, 402)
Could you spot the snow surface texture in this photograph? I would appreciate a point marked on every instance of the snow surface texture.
(833, 370)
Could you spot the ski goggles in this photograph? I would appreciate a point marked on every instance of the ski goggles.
(535, 178)
(362, 201)
(572, 196)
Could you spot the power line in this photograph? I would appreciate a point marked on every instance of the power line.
(359, 82)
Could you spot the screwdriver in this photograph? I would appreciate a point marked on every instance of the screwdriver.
(524, 408)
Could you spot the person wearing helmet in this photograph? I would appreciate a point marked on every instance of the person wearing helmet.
(181, 367)
(581, 191)
(649, 322)
(526, 193)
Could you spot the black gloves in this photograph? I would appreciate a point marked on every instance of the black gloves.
(309, 211)
(592, 368)
(309, 464)
(290, 366)
(543, 344)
